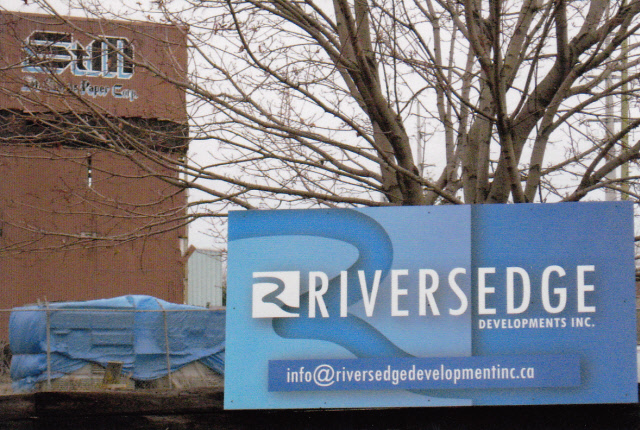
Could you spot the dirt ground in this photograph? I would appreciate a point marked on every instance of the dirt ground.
(5, 384)
(202, 409)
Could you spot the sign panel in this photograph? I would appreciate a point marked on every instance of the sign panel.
(58, 64)
(431, 306)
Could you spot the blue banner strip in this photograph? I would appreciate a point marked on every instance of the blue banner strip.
(404, 373)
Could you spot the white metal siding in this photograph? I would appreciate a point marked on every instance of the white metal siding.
(204, 287)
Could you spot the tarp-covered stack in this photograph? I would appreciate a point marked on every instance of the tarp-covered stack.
(150, 337)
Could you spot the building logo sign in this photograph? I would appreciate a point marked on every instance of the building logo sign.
(269, 297)
(431, 306)
(53, 53)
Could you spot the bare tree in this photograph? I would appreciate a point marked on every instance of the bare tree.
(390, 102)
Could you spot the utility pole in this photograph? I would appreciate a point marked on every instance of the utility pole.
(609, 193)
(624, 119)
(420, 139)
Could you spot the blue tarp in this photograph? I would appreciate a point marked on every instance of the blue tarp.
(118, 329)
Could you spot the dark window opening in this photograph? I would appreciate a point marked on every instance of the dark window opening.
(89, 171)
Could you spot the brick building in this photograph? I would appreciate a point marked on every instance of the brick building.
(85, 211)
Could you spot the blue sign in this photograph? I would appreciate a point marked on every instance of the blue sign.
(431, 306)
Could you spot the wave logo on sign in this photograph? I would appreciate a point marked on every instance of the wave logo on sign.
(269, 297)
(54, 52)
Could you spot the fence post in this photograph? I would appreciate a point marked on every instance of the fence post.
(166, 343)
(48, 324)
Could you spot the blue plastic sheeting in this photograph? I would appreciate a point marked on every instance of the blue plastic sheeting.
(115, 329)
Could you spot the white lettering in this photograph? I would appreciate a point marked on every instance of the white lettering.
(583, 288)
(526, 290)
(560, 292)
(426, 294)
(397, 291)
(369, 299)
(464, 303)
(277, 300)
(343, 293)
(483, 290)
(316, 296)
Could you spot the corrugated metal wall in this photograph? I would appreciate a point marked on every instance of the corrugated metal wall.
(205, 278)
